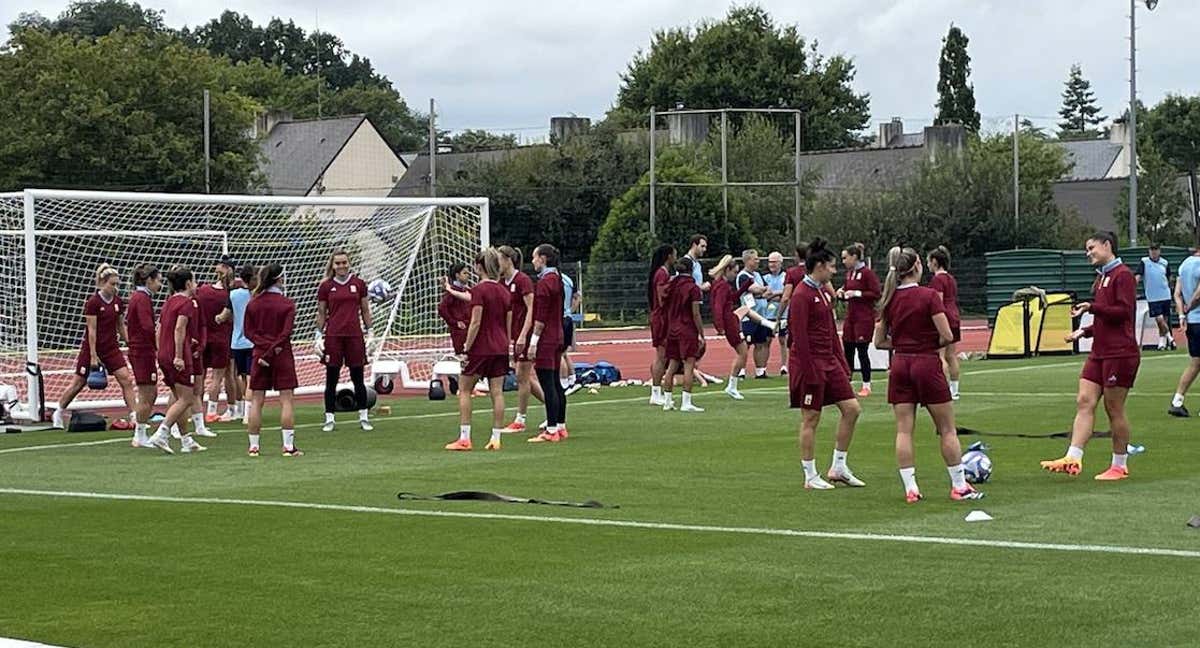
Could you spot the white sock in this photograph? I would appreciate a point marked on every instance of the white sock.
(687, 399)
(839, 460)
(866, 385)
(289, 438)
(162, 430)
(175, 429)
(1119, 460)
(656, 391)
(363, 414)
(253, 440)
(212, 407)
(958, 480)
(668, 398)
(520, 419)
(244, 410)
(733, 381)
(464, 433)
(810, 469)
(760, 371)
(1075, 453)
(565, 382)
(496, 432)
(197, 421)
(329, 417)
(1177, 400)
(909, 477)
(953, 386)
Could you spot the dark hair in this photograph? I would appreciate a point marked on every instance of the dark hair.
(818, 252)
(696, 238)
(548, 251)
(144, 273)
(942, 256)
(246, 273)
(179, 276)
(454, 269)
(1155, 246)
(683, 265)
(268, 276)
(1105, 237)
(801, 252)
(657, 260)
(856, 250)
(513, 254)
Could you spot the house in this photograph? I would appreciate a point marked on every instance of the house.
(335, 156)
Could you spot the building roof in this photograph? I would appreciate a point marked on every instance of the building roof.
(867, 168)
(415, 182)
(298, 152)
(1093, 158)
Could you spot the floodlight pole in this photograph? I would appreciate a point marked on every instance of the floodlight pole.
(1133, 168)
(796, 206)
(652, 181)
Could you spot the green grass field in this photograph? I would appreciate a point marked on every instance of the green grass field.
(726, 556)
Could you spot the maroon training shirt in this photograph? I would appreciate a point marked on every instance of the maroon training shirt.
(682, 292)
(945, 283)
(176, 306)
(212, 301)
(343, 302)
(139, 322)
(910, 319)
(815, 346)
(492, 339)
(548, 307)
(520, 286)
(1113, 311)
(108, 316)
(270, 317)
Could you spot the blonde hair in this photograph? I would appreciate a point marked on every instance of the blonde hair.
(106, 272)
(902, 263)
(329, 266)
(489, 260)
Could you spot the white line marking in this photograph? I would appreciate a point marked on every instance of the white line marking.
(17, 643)
(628, 524)
(62, 445)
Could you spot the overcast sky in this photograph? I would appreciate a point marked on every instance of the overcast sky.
(512, 64)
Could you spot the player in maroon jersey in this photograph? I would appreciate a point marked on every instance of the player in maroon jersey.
(343, 318)
(270, 320)
(218, 323)
(487, 346)
(945, 285)
(727, 315)
(662, 264)
(685, 340)
(913, 322)
(143, 347)
(546, 342)
(178, 353)
(104, 324)
(1112, 365)
(819, 375)
(455, 307)
(520, 288)
(860, 290)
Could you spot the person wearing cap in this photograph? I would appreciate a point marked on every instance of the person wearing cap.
(216, 317)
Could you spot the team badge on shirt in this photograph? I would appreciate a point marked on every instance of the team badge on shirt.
(353, 288)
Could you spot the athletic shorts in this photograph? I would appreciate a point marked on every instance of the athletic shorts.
(733, 332)
(1193, 339)
(1111, 372)
(145, 368)
(917, 378)
(172, 376)
(198, 364)
(348, 351)
(683, 347)
(957, 331)
(548, 355)
(1160, 308)
(658, 330)
(280, 375)
(112, 361)
(489, 366)
(755, 333)
(458, 339)
(242, 359)
(216, 353)
(568, 332)
(819, 388)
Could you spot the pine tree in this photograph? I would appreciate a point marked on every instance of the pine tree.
(1079, 110)
(956, 97)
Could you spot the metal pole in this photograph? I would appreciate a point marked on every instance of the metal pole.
(1017, 175)
(432, 149)
(652, 221)
(1133, 168)
(31, 311)
(207, 148)
(725, 163)
(796, 215)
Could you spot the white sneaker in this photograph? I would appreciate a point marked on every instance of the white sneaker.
(573, 388)
(175, 434)
(955, 396)
(816, 483)
(658, 400)
(783, 371)
(328, 427)
(160, 441)
(139, 440)
(668, 406)
(690, 408)
(365, 425)
(205, 432)
(734, 394)
(190, 445)
(56, 420)
(846, 477)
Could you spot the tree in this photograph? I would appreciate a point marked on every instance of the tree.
(744, 61)
(470, 141)
(1079, 110)
(1174, 128)
(94, 18)
(1162, 202)
(956, 96)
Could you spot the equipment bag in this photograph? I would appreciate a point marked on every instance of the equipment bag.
(87, 422)
(607, 372)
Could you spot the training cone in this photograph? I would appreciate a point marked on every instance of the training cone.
(977, 516)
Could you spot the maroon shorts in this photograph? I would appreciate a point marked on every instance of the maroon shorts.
(1112, 372)
(658, 330)
(112, 361)
(489, 366)
(817, 388)
(917, 378)
(348, 350)
(733, 331)
(458, 338)
(198, 364)
(957, 331)
(549, 355)
(683, 347)
(216, 353)
(280, 375)
(521, 353)
(171, 376)
(145, 367)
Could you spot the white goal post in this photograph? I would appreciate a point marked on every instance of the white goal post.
(52, 241)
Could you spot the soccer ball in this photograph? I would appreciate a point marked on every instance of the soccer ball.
(379, 290)
(978, 466)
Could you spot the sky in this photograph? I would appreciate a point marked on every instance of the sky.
(510, 65)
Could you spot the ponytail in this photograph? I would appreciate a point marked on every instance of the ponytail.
(818, 252)
(902, 262)
(942, 256)
(179, 276)
(268, 276)
(105, 272)
(142, 274)
(657, 260)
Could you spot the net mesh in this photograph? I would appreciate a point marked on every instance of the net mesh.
(405, 243)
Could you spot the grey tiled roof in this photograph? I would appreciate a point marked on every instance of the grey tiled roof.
(298, 152)
(1092, 158)
(868, 168)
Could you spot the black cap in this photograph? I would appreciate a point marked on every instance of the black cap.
(227, 260)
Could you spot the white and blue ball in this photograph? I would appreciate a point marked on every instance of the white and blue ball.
(379, 290)
(977, 466)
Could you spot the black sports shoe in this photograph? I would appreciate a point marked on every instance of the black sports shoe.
(1180, 411)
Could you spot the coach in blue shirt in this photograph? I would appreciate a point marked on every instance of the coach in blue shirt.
(1187, 300)
(1154, 274)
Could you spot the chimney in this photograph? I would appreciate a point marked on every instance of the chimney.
(947, 138)
(266, 120)
(564, 128)
(889, 133)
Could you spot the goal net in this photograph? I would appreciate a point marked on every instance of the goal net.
(53, 241)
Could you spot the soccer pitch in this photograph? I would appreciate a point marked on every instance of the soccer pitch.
(714, 543)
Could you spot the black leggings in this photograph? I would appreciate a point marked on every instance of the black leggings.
(331, 380)
(556, 396)
(864, 358)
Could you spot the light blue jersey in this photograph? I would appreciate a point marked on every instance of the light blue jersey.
(239, 298)
(697, 271)
(774, 284)
(1189, 278)
(743, 278)
(1154, 279)
(568, 293)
